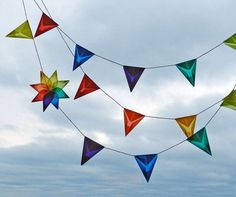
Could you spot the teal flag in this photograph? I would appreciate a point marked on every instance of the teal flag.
(200, 140)
(188, 69)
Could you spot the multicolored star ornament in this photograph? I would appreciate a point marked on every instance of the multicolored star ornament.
(50, 90)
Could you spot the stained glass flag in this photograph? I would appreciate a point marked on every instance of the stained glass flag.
(188, 69)
(86, 86)
(131, 120)
(22, 31)
(231, 41)
(230, 100)
(146, 164)
(132, 75)
(187, 124)
(45, 24)
(81, 56)
(200, 140)
(90, 149)
(50, 90)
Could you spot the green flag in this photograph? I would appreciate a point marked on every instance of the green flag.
(231, 41)
(230, 100)
(188, 69)
(200, 140)
(22, 31)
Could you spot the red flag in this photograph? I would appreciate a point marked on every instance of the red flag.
(131, 119)
(45, 24)
(86, 86)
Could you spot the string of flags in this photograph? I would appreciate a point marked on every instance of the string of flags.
(50, 90)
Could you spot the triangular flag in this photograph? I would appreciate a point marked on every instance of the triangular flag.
(86, 86)
(188, 69)
(231, 41)
(200, 140)
(22, 31)
(81, 56)
(187, 124)
(90, 149)
(45, 24)
(146, 164)
(230, 100)
(131, 120)
(132, 75)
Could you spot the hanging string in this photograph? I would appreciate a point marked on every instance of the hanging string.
(36, 49)
(118, 103)
(114, 150)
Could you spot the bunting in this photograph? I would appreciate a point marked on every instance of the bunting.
(200, 140)
(230, 100)
(22, 31)
(132, 75)
(131, 119)
(81, 56)
(146, 164)
(86, 86)
(90, 149)
(188, 69)
(50, 90)
(187, 124)
(231, 41)
(45, 24)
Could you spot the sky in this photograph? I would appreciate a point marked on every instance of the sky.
(41, 151)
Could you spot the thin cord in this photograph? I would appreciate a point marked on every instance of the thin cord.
(209, 107)
(171, 147)
(36, 49)
(117, 151)
(212, 116)
(210, 50)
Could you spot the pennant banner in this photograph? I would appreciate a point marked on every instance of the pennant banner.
(45, 24)
(90, 149)
(131, 120)
(86, 86)
(187, 124)
(231, 41)
(188, 69)
(200, 140)
(230, 100)
(49, 90)
(146, 164)
(132, 75)
(22, 31)
(81, 56)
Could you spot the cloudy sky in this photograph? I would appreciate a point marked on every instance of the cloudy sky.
(41, 151)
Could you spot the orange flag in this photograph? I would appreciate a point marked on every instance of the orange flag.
(187, 124)
(131, 120)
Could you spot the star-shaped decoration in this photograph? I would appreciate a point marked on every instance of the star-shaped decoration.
(50, 90)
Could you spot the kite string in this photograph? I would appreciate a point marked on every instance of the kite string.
(36, 49)
(59, 29)
(121, 152)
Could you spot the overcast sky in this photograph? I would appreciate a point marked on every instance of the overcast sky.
(41, 151)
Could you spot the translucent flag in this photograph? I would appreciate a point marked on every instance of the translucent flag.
(86, 86)
(22, 31)
(50, 90)
(146, 164)
(231, 41)
(230, 100)
(131, 120)
(45, 24)
(200, 140)
(132, 75)
(90, 149)
(81, 56)
(188, 69)
(187, 124)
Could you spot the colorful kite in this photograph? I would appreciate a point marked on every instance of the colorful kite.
(50, 90)
(22, 31)
(187, 124)
(230, 100)
(231, 41)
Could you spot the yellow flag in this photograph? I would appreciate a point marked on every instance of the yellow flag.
(187, 124)
(22, 31)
